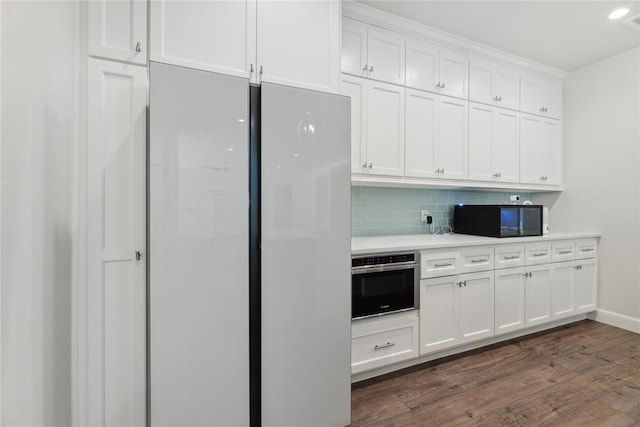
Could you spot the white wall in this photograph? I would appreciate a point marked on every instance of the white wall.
(37, 69)
(601, 121)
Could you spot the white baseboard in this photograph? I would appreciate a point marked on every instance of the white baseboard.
(618, 320)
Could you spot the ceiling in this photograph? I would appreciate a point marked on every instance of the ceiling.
(566, 35)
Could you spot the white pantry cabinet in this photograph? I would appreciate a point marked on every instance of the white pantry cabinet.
(493, 84)
(372, 52)
(455, 310)
(540, 150)
(118, 30)
(493, 144)
(541, 96)
(377, 123)
(116, 286)
(287, 42)
(435, 136)
(436, 69)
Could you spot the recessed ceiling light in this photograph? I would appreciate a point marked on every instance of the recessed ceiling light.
(619, 13)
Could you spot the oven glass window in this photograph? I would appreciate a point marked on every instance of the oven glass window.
(382, 292)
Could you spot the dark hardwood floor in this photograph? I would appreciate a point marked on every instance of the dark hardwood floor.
(585, 374)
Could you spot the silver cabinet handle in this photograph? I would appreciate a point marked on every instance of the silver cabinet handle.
(442, 170)
(527, 274)
(565, 252)
(138, 255)
(370, 165)
(512, 257)
(539, 255)
(371, 69)
(364, 165)
(578, 267)
(438, 85)
(250, 68)
(442, 86)
(138, 47)
(261, 70)
(588, 250)
(387, 345)
(364, 70)
(497, 99)
(497, 175)
(446, 264)
(475, 261)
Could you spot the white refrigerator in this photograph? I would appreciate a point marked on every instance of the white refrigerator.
(249, 253)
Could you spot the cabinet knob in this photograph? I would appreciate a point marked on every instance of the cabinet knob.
(138, 255)
(250, 68)
(442, 86)
(370, 165)
(138, 47)
(261, 70)
(364, 70)
(438, 85)
(364, 165)
(371, 69)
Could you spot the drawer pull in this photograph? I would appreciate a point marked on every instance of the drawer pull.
(588, 250)
(387, 345)
(539, 255)
(512, 257)
(446, 264)
(475, 261)
(565, 252)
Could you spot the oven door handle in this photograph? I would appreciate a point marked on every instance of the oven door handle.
(378, 268)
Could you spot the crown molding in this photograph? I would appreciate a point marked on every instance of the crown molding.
(370, 15)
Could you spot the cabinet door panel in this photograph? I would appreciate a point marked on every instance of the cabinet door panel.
(480, 81)
(550, 147)
(538, 295)
(509, 300)
(480, 146)
(354, 47)
(422, 63)
(298, 43)
(551, 96)
(453, 73)
(385, 129)
(530, 95)
(356, 89)
(562, 290)
(438, 314)
(420, 134)
(452, 138)
(530, 153)
(116, 28)
(189, 33)
(507, 88)
(505, 152)
(386, 56)
(476, 306)
(585, 281)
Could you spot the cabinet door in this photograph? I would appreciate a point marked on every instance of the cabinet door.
(537, 295)
(356, 89)
(550, 151)
(551, 98)
(530, 151)
(385, 129)
(505, 147)
(452, 138)
(585, 279)
(354, 47)
(530, 89)
(422, 65)
(386, 56)
(509, 300)
(118, 30)
(481, 81)
(298, 43)
(480, 142)
(217, 36)
(420, 134)
(438, 313)
(116, 287)
(453, 73)
(562, 289)
(476, 306)
(506, 88)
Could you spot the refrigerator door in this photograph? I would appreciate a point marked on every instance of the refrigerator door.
(198, 224)
(306, 257)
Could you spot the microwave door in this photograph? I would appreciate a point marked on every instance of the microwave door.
(510, 224)
(531, 221)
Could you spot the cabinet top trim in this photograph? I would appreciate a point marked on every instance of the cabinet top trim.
(376, 17)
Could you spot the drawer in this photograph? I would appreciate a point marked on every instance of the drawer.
(537, 253)
(437, 263)
(509, 256)
(586, 248)
(563, 251)
(383, 342)
(477, 259)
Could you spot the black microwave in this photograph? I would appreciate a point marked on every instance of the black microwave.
(498, 220)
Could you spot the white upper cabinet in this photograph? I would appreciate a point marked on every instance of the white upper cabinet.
(493, 84)
(286, 42)
(540, 150)
(435, 136)
(118, 30)
(377, 126)
(372, 52)
(436, 69)
(493, 144)
(541, 96)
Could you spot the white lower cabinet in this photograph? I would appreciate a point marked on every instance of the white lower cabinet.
(574, 287)
(537, 294)
(383, 340)
(509, 300)
(455, 310)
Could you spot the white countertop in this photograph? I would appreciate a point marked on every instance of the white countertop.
(379, 244)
